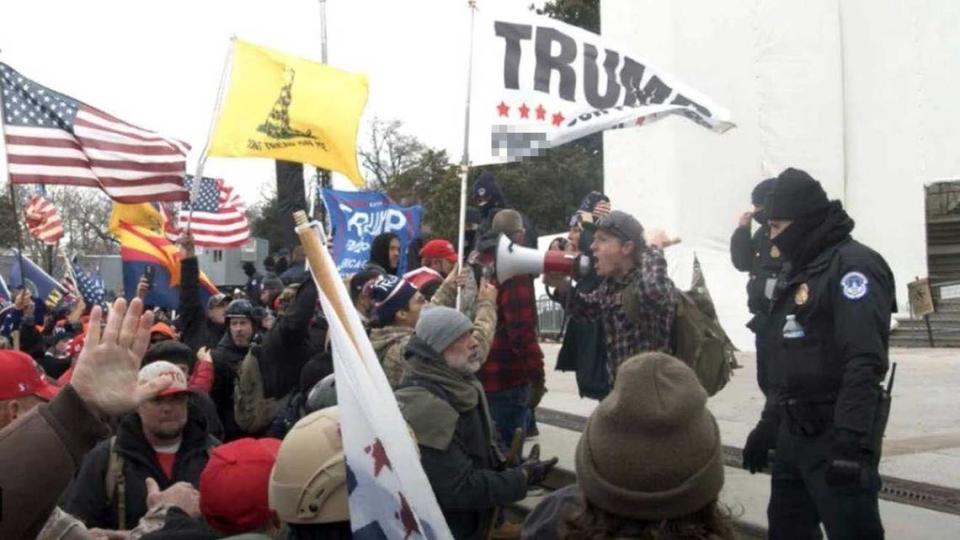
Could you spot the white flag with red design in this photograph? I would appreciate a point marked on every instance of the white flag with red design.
(389, 493)
(539, 83)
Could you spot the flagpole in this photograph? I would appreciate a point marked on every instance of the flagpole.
(13, 197)
(465, 163)
(198, 171)
(69, 267)
(321, 176)
(16, 220)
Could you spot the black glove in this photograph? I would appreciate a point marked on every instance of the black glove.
(536, 470)
(848, 461)
(761, 440)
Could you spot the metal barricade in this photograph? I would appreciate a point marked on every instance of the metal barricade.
(550, 318)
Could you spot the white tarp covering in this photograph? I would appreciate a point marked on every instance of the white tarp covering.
(860, 94)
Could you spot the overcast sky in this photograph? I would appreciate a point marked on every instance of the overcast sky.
(158, 64)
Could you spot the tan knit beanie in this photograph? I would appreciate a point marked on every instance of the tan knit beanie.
(651, 449)
(507, 221)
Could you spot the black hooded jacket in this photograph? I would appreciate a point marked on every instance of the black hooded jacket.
(487, 188)
(841, 294)
(227, 357)
(87, 498)
(380, 253)
(762, 260)
(291, 342)
(197, 330)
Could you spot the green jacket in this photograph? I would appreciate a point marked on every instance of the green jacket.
(450, 418)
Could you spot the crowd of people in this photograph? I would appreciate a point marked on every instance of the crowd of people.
(221, 421)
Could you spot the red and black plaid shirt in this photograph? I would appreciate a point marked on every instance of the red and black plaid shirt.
(515, 356)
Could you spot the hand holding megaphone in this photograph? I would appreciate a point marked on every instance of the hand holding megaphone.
(659, 238)
(510, 259)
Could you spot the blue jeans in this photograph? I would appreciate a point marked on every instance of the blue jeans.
(509, 409)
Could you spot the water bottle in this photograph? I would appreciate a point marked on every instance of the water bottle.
(792, 329)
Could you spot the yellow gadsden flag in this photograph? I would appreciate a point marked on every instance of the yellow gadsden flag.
(284, 107)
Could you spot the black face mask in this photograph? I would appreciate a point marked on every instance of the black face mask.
(790, 239)
(760, 216)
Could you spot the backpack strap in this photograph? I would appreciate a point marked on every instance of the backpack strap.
(115, 484)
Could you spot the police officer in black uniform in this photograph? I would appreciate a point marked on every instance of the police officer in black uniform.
(763, 260)
(825, 412)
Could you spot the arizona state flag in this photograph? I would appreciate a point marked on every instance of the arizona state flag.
(141, 248)
(284, 107)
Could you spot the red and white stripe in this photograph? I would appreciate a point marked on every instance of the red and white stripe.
(130, 164)
(43, 220)
(227, 228)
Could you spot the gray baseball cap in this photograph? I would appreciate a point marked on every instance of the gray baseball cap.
(624, 226)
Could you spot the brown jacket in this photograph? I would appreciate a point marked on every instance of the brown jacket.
(39, 454)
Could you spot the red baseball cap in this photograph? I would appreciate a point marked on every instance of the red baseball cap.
(439, 249)
(234, 485)
(20, 376)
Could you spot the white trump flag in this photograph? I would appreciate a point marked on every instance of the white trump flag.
(389, 494)
(539, 83)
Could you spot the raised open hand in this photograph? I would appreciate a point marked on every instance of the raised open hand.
(105, 375)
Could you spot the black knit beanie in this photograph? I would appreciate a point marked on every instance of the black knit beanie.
(795, 194)
(762, 190)
(171, 351)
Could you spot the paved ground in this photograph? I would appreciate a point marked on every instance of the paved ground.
(923, 435)
(922, 442)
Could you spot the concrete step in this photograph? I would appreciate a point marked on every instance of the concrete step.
(920, 341)
(939, 325)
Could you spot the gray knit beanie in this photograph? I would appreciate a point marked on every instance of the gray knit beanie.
(651, 449)
(440, 326)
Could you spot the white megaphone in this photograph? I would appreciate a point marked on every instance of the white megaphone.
(513, 260)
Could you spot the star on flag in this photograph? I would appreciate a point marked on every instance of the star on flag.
(556, 118)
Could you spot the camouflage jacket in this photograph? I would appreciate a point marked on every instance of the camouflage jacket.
(390, 342)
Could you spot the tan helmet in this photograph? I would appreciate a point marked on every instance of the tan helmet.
(308, 482)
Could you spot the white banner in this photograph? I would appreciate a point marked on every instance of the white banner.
(539, 83)
(388, 491)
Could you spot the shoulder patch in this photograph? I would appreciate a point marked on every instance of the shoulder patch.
(855, 285)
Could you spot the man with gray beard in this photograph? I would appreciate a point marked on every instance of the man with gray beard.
(444, 403)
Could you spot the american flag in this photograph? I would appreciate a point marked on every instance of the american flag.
(218, 216)
(80, 284)
(43, 220)
(85, 285)
(69, 283)
(55, 139)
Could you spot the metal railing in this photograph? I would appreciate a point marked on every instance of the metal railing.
(550, 319)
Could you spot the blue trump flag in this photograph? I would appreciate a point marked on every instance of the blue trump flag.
(356, 217)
